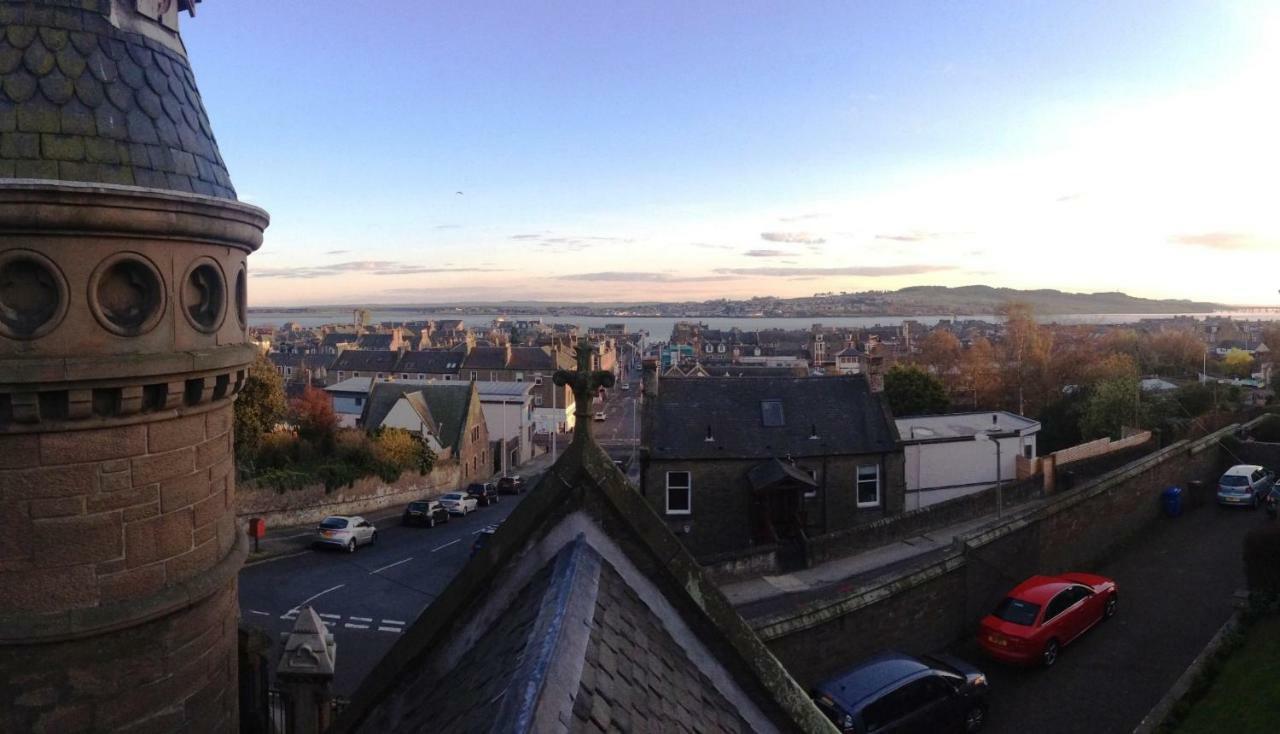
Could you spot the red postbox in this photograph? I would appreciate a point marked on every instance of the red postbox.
(257, 529)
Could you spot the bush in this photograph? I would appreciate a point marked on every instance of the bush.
(1261, 569)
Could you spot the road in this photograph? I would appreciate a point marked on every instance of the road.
(1176, 584)
(367, 598)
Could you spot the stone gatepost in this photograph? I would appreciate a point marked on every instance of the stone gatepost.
(305, 674)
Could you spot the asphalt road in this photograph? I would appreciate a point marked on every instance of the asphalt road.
(370, 597)
(1176, 585)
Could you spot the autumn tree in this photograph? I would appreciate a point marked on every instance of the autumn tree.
(403, 450)
(1112, 404)
(912, 391)
(980, 374)
(259, 406)
(1177, 352)
(1238, 363)
(941, 350)
(312, 414)
(1026, 356)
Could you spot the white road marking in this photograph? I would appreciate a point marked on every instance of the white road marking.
(331, 616)
(350, 626)
(255, 611)
(392, 565)
(298, 607)
(362, 619)
(446, 545)
(393, 621)
(397, 630)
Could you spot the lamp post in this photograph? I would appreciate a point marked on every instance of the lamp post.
(993, 435)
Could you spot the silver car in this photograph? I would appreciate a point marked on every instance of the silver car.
(459, 503)
(1244, 484)
(345, 532)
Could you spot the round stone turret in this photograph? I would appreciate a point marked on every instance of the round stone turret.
(123, 343)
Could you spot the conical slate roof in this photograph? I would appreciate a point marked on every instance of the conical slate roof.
(84, 100)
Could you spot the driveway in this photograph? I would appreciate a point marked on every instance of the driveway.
(1176, 586)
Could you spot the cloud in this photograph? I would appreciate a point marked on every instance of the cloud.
(802, 238)
(802, 217)
(337, 252)
(1222, 240)
(1068, 197)
(643, 277)
(447, 226)
(919, 235)
(568, 243)
(869, 271)
(369, 267)
(766, 253)
(525, 236)
(708, 246)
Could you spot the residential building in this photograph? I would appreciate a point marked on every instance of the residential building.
(732, 462)
(956, 453)
(452, 411)
(508, 412)
(349, 398)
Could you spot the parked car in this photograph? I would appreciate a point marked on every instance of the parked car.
(485, 493)
(482, 538)
(893, 692)
(459, 503)
(424, 512)
(599, 416)
(348, 533)
(626, 386)
(1044, 614)
(513, 484)
(1245, 484)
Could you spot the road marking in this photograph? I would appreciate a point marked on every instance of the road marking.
(392, 565)
(255, 611)
(397, 630)
(350, 626)
(300, 605)
(362, 619)
(446, 545)
(331, 616)
(393, 621)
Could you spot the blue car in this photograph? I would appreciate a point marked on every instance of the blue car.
(1244, 485)
(896, 692)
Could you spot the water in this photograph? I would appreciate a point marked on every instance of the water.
(660, 326)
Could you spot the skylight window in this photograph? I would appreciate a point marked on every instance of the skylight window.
(771, 412)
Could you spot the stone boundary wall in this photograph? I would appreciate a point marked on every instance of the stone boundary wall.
(311, 504)
(929, 605)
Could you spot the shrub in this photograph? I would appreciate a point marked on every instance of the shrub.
(1261, 549)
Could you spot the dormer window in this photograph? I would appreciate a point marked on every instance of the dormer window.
(771, 413)
(709, 437)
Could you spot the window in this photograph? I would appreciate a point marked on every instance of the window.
(475, 433)
(1059, 604)
(355, 374)
(404, 375)
(679, 494)
(537, 379)
(1029, 451)
(771, 413)
(811, 492)
(421, 376)
(869, 485)
(537, 400)
(359, 401)
(519, 377)
(379, 375)
(474, 375)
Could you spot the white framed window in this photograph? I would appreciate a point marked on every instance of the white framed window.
(869, 485)
(421, 376)
(474, 375)
(359, 401)
(679, 493)
(537, 400)
(537, 379)
(811, 492)
(519, 377)
(404, 375)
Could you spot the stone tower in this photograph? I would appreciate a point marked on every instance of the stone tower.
(122, 347)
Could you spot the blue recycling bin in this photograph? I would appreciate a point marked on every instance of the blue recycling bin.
(1171, 499)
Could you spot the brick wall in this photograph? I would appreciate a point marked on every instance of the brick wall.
(107, 528)
(926, 606)
(312, 504)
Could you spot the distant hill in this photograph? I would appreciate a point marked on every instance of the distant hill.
(984, 299)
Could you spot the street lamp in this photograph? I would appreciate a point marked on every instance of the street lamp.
(993, 435)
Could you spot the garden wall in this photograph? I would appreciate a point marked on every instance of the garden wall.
(313, 503)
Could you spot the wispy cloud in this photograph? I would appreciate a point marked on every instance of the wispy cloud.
(870, 271)
(1069, 197)
(766, 253)
(1223, 240)
(643, 277)
(802, 217)
(447, 226)
(337, 252)
(919, 235)
(368, 267)
(571, 243)
(802, 238)
(709, 246)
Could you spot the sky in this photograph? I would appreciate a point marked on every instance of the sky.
(435, 152)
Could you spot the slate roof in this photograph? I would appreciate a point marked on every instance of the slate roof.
(847, 417)
(374, 341)
(449, 404)
(536, 358)
(361, 360)
(82, 100)
(771, 472)
(432, 361)
(382, 398)
(584, 613)
(334, 339)
(486, 358)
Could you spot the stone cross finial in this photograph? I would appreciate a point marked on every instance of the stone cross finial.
(584, 382)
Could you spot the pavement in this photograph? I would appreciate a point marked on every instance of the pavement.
(370, 597)
(1177, 586)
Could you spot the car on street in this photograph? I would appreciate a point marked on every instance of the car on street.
(1244, 484)
(513, 484)
(459, 503)
(345, 532)
(486, 493)
(482, 538)
(893, 692)
(1044, 614)
(626, 387)
(599, 416)
(424, 512)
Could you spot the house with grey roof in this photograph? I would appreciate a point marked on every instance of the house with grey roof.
(732, 463)
(451, 413)
(581, 614)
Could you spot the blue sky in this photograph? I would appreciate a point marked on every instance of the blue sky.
(662, 151)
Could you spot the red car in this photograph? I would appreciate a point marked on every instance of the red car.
(1044, 614)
